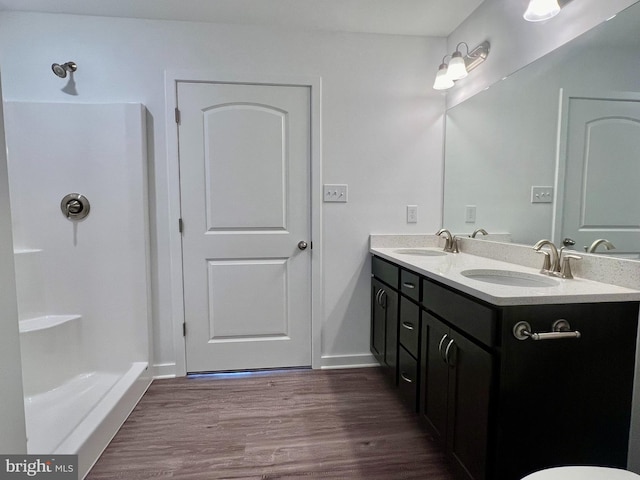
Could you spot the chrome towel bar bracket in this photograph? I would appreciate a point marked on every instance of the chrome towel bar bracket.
(559, 329)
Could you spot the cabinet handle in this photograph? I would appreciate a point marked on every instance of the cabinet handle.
(444, 337)
(446, 353)
(378, 297)
(408, 285)
(405, 378)
(407, 325)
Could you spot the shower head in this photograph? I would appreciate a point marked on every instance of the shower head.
(61, 70)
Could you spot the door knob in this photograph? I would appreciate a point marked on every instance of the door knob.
(302, 245)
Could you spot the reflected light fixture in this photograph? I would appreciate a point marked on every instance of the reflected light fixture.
(540, 10)
(459, 66)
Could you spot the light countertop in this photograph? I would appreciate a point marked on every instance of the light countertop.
(447, 270)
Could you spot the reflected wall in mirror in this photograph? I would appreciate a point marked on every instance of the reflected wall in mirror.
(544, 126)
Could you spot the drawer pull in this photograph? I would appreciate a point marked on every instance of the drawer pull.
(407, 325)
(560, 329)
(405, 378)
(408, 285)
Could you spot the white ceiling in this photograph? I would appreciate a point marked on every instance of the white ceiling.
(403, 17)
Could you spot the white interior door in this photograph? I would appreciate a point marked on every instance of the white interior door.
(245, 201)
(602, 176)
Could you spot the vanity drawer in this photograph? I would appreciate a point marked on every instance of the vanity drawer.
(408, 378)
(410, 285)
(385, 271)
(475, 319)
(409, 323)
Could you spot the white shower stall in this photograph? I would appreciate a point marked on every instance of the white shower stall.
(82, 284)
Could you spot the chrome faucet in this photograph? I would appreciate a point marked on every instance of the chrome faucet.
(601, 241)
(551, 263)
(479, 230)
(451, 242)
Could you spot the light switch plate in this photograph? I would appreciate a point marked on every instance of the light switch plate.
(541, 194)
(335, 193)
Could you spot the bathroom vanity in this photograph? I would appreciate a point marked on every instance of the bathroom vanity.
(503, 401)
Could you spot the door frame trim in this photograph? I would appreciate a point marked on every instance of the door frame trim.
(172, 77)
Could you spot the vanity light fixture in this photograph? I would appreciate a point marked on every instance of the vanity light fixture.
(540, 10)
(459, 66)
(443, 81)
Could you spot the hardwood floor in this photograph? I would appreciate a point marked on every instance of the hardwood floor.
(296, 424)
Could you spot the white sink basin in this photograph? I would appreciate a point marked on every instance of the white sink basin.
(420, 251)
(510, 278)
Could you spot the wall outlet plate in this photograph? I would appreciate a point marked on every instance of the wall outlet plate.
(470, 214)
(412, 214)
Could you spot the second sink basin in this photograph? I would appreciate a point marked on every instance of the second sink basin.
(420, 251)
(511, 278)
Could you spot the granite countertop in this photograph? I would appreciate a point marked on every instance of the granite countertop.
(447, 269)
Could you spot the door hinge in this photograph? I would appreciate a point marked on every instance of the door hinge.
(184, 329)
(180, 225)
(177, 112)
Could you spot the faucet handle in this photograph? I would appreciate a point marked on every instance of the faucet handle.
(454, 245)
(546, 264)
(565, 269)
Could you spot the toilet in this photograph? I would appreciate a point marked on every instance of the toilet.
(582, 473)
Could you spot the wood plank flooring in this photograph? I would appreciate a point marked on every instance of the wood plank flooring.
(296, 424)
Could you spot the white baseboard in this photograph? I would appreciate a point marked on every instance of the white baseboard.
(168, 370)
(348, 361)
(164, 370)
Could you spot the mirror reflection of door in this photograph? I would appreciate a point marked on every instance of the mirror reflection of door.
(600, 193)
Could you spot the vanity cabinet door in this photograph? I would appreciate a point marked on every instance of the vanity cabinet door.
(435, 376)
(455, 393)
(390, 301)
(384, 326)
(470, 380)
(377, 321)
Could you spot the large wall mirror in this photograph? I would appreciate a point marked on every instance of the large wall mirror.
(568, 123)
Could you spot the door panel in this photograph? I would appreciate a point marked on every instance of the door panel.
(232, 317)
(245, 160)
(244, 177)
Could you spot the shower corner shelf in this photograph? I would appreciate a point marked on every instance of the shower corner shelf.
(46, 321)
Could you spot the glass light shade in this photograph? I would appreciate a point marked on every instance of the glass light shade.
(457, 68)
(442, 82)
(540, 10)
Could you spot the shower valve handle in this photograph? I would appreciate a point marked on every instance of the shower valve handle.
(75, 206)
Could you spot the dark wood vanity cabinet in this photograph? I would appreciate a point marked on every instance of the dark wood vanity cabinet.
(502, 407)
